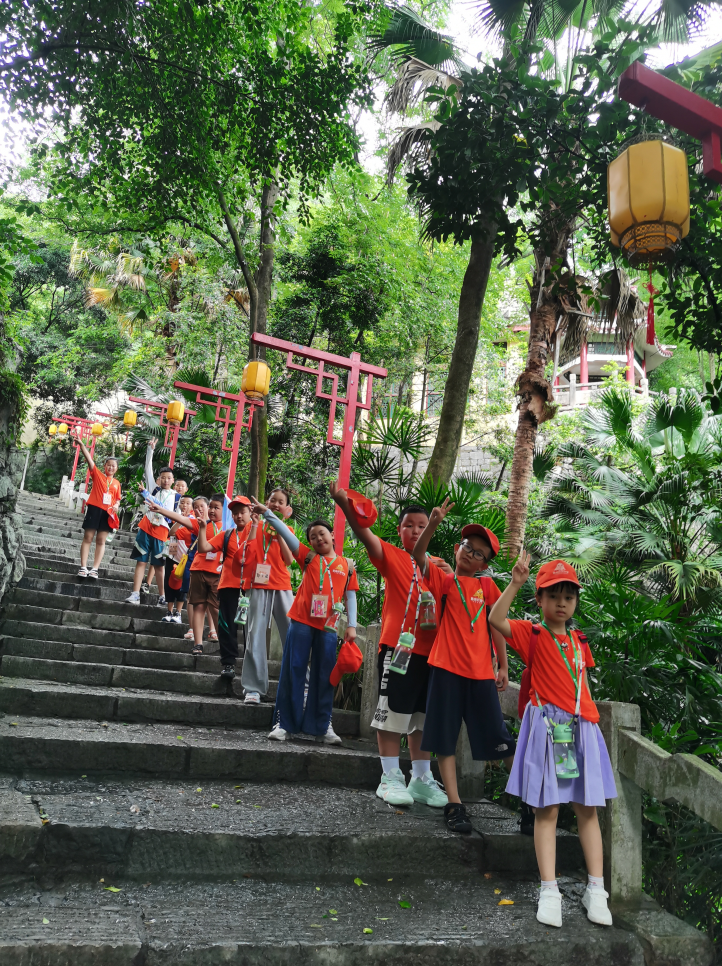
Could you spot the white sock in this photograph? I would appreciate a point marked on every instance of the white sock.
(595, 882)
(420, 767)
(550, 884)
(388, 764)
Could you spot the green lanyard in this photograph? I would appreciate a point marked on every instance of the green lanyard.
(578, 664)
(323, 569)
(480, 611)
(266, 547)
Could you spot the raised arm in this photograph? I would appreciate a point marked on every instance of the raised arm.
(372, 543)
(288, 537)
(86, 453)
(422, 544)
(171, 514)
(500, 610)
(148, 474)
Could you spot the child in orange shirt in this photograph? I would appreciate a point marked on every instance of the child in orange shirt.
(152, 533)
(561, 754)
(327, 578)
(104, 496)
(463, 683)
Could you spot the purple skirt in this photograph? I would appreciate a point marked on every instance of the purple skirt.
(533, 777)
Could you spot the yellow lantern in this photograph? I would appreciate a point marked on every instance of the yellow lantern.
(63, 428)
(176, 412)
(648, 194)
(130, 418)
(97, 429)
(53, 430)
(256, 380)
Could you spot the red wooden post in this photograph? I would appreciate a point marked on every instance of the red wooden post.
(674, 104)
(355, 368)
(223, 402)
(156, 408)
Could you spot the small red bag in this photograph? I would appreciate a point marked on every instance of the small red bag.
(113, 521)
(348, 661)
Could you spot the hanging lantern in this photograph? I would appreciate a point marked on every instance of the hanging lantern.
(130, 418)
(256, 380)
(53, 430)
(648, 195)
(63, 428)
(176, 412)
(97, 429)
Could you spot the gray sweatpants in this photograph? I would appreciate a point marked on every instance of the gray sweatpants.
(264, 605)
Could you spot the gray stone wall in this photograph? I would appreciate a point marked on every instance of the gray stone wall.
(12, 561)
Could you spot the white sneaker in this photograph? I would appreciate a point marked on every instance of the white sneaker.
(427, 791)
(167, 619)
(392, 788)
(176, 618)
(331, 738)
(595, 902)
(278, 734)
(252, 697)
(549, 909)
(134, 598)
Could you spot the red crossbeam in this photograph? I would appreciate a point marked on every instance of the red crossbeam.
(156, 408)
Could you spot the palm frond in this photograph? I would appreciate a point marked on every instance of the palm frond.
(407, 35)
(413, 80)
(412, 145)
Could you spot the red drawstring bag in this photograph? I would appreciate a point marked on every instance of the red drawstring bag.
(113, 521)
(348, 661)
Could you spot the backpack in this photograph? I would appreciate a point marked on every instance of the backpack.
(525, 683)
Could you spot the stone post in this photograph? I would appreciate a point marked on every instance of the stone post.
(572, 390)
(621, 820)
(644, 386)
(370, 683)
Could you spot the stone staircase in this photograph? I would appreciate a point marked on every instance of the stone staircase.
(146, 819)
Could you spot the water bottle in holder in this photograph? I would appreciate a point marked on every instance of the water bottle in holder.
(565, 755)
(427, 611)
(334, 616)
(242, 610)
(402, 653)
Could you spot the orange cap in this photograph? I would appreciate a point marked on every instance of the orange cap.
(556, 572)
(238, 501)
(363, 509)
(348, 661)
(476, 530)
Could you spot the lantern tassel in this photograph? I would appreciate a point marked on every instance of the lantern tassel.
(651, 335)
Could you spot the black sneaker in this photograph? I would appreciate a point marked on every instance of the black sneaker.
(456, 818)
(228, 671)
(526, 823)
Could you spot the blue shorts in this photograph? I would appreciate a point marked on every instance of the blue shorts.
(148, 548)
(452, 698)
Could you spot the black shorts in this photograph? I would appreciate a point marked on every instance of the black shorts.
(451, 698)
(96, 518)
(172, 596)
(406, 693)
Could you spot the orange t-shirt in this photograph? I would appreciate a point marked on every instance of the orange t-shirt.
(159, 532)
(311, 584)
(268, 551)
(231, 573)
(550, 677)
(397, 568)
(103, 484)
(458, 648)
(206, 562)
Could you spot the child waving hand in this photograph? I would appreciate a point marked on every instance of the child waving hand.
(561, 755)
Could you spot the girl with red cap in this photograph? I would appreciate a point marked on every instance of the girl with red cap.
(561, 754)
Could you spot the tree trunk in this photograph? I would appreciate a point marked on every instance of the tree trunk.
(456, 391)
(264, 279)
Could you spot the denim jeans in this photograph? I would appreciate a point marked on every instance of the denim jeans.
(302, 642)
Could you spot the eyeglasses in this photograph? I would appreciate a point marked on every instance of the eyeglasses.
(476, 554)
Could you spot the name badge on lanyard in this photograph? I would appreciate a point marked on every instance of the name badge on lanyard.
(263, 574)
(319, 605)
(107, 499)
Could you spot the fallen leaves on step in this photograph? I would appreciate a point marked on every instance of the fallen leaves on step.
(359, 882)
(134, 808)
(497, 892)
(213, 805)
(404, 904)
(487, 875)
(112, 889)
(46, 922)
(506, 902)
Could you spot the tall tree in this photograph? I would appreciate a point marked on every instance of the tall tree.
(179, 112)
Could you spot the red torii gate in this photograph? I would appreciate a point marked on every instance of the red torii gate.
(674, 104)
(155, 408)
(223, 403)
(356, 368)
(75, 423)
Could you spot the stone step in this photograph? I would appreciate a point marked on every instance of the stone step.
(52, 582)
(180, 828)
(72, 747)
(76, 602)
(62, 572)
(48, 558)
(252, 922)
(85, 670)
(125, 620)
(71, 532)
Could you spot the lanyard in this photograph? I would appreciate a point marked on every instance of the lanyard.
(578, 664)
(415, 582)
(266, 546)
(246, 530)
(323, 569)
(480, 611)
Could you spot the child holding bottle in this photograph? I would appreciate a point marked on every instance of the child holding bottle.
(561, 755)
(312, 631)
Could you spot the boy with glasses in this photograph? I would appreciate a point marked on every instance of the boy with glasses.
(463, 682)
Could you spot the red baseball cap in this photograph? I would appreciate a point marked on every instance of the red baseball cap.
(348, 661)
(476, 530)
(363, 510)
(556, 572)
(237, 502)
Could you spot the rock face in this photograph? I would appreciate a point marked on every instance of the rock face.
(12, 561)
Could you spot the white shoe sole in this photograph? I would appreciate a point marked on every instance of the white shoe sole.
(551, 916)
(275, 737)
(332, 741)
(388, 797)
(600, 920)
